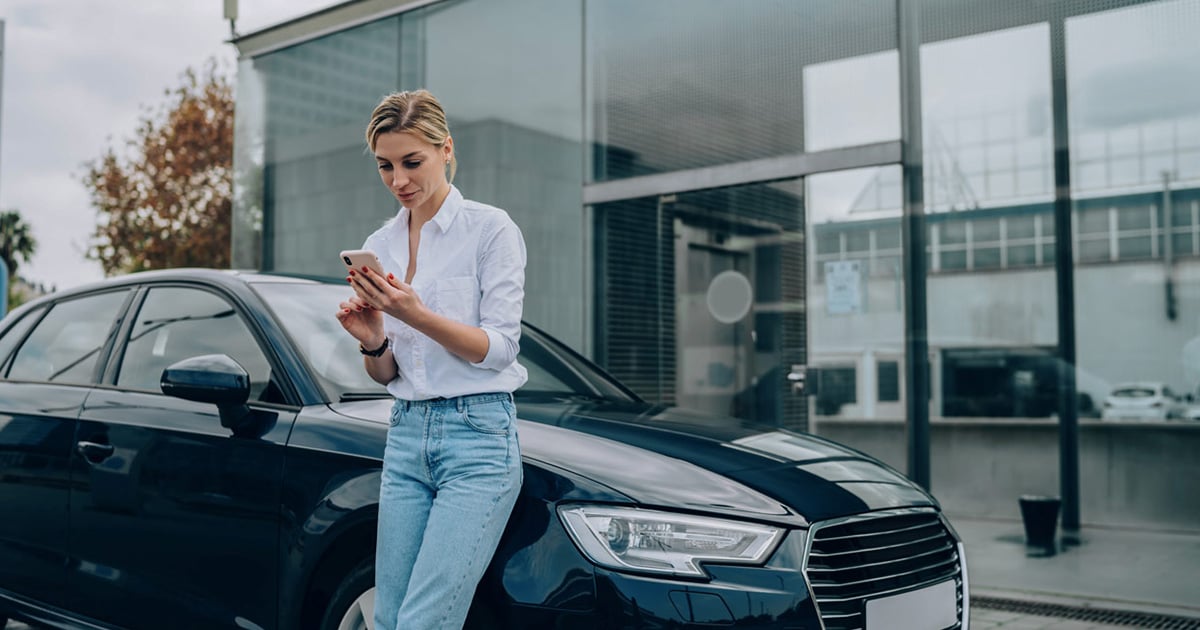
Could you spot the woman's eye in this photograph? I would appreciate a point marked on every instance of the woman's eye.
(411, 164)
(384, 166)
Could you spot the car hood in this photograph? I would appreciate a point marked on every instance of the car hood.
(673, 458)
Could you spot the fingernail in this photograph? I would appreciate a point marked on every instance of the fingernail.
(347, 310)
(364, 268)
(391, 277)
(352, 272)
(349, 279)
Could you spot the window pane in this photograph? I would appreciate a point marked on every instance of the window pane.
(1135, 217)
(66, 344)
(174, 324)
(1092, 220)
(852, 101)
(856, 315)
(1138, 107)
(1093, 250)
(985, 230)
(1022, 256)
(889, 381)
(16, 333)
(838, 387)
(1020, 227)
(1135, 247)
(678, 84)
(954, 260)
(986, 115)
(987, 257)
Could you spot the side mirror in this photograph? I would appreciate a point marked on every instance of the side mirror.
(219, 380)
(211, 378)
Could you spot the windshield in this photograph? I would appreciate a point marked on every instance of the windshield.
(306, 312)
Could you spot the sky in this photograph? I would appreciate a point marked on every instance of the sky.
(77, 76)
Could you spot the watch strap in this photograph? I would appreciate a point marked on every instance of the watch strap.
(377, 352)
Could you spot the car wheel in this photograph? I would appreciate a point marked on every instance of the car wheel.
(352, 606)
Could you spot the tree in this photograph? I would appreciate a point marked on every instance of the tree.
(169, 205)
(16, 241)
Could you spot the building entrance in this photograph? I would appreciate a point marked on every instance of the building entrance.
(702, 302)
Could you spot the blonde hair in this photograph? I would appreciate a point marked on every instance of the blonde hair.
(417, 112)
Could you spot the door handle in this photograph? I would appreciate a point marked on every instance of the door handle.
(94, 452)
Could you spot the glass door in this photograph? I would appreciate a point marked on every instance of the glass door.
(701, 298)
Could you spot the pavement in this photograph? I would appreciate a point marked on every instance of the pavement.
(1115, 578)
(1151, 576)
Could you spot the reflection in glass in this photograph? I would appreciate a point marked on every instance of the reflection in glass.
(517, 148)
(1134, 114)
(855, 293)
(986, 116)
(665, 322)
(516, 118)
(852, 101)
(679, 84)
(66, 344)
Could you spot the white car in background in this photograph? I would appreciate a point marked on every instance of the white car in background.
(1142, 401)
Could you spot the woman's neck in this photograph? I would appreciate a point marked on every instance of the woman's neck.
(421, 216)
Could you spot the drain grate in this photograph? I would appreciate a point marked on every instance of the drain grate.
(1082, 613)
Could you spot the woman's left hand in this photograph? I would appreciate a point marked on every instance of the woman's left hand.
(388, 294)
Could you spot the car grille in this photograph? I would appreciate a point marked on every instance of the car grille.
(853, 560)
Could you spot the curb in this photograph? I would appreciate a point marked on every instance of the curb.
(1064, 604)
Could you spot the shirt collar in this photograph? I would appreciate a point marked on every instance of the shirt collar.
(444, 217)
(449, 211)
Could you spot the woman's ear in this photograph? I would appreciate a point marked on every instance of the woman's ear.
(448, 149)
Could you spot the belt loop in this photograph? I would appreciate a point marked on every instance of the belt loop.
(460, 403)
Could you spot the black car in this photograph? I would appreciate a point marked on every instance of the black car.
(201, 449)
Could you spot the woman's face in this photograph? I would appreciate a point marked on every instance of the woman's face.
(413, 170)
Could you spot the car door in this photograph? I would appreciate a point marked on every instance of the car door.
(174, 524)
(46, 381)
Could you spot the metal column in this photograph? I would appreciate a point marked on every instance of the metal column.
(916, 344)
(1068, 415)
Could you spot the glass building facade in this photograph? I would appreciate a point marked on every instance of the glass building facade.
(721, 198)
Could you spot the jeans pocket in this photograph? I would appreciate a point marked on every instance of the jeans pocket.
(492, 418)
(397, 413)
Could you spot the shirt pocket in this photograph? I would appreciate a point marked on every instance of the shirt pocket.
(458, 299)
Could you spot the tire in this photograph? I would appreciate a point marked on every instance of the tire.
(354, 600)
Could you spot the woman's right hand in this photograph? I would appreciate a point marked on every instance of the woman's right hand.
(362, 321)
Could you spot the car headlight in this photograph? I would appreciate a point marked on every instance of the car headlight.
(634, 539)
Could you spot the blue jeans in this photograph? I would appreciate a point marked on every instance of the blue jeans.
(451, 474)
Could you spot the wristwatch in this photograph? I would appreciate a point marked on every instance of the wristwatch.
(377, 352)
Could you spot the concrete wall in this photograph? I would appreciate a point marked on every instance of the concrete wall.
(1144, 475)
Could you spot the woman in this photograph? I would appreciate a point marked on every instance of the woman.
(441, 330)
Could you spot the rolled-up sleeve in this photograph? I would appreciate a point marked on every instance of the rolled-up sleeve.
(502, 288)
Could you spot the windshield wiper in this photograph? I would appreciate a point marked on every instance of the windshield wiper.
(353, 396)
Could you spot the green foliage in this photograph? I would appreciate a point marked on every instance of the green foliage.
(16, 241)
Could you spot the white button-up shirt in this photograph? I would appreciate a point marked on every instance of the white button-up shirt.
(471, 269)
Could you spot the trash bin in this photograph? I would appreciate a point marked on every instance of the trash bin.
(1040, 515)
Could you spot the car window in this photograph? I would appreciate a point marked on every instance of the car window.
(16, 333)
(176, 323)
(307, 312)
(65, 346)
(1133, 392)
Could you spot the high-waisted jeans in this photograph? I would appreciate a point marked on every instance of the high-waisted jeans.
(451, 474)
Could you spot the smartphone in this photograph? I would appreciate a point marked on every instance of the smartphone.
(356, 259)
